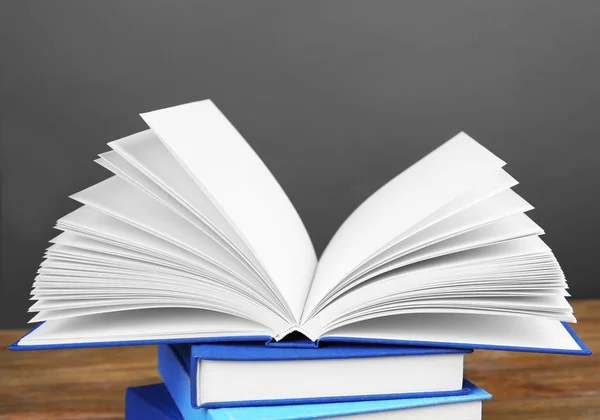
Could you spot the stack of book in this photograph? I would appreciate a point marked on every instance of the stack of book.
(194, 246)
(253, 381)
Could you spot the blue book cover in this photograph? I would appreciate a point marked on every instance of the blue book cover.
(572, 343)
(178, 367)
(150, 402)
(155, 402)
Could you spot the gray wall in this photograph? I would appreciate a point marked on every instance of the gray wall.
(337, 97)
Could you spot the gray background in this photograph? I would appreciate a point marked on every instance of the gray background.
(337, 97)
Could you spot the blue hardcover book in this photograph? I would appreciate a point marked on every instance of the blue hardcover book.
(150, 402)
(193, 240)
(154, 402)
(225, 375)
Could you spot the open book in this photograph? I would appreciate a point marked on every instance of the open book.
(193, 239)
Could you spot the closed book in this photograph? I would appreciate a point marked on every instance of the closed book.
(154, 402)
(251, 374)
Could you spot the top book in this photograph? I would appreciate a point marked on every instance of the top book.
(194, 240)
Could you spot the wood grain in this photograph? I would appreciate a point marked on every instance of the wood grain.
(91, 383)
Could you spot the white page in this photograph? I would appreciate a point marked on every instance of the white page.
(57, 305)
(84, 281)
(547, 305)
(523, 248)
(431, 183)
(504, 229)
(82, 243)
(472, 264)
(193, 285)
(119, 199)
(455, 411)
(148, 155)
(175, 280)
(69, 308)
(102, 294)
(514, 227)
(61, 255)
(120, 259)
(134, 288)
(254, 380)
(514, 331)
(73, 243)
(153, 285)
(142, 325)
(484, 264)
(73, 269)
(500, 206)
(243, 189)
(82, 284)
(358, 318)
(88, 287)
(86, 220)
(128, 172)
(495, 208)
(85, 311)
(487, 187)
(124, 170)
(454, 291)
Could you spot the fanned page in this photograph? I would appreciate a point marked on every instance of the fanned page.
(443, 253)
(192, 222)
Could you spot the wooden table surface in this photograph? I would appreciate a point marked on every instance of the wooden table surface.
(90, 383)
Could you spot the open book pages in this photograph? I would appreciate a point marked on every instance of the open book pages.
(193, 237)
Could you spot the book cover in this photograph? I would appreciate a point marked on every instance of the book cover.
(254, 375)
(154, 401)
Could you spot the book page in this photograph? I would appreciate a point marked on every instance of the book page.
(142, 160)
(145, 154)
(494, 209)
(192, 270)
(239, 184)
(467, 329)
(76, 245)
(146, 324)
(437, 179)
(494, 185)
(492, 279)
(104, 228)
(126, 203)
(517, 226)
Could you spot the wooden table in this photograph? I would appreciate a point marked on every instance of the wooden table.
(90, 383)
